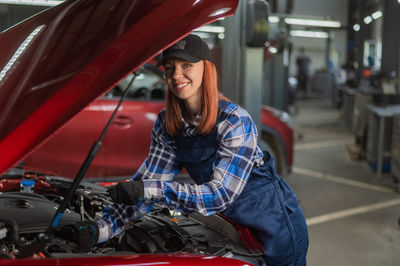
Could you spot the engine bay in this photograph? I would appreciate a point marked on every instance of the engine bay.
(26, 208)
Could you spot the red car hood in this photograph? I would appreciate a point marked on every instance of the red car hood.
(57, 62)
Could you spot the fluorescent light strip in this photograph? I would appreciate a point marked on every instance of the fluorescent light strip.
(313, 22)
(309, 34)
(368, 19)
(31, 2)
(273, 19)
(212, 29)
(377, 14)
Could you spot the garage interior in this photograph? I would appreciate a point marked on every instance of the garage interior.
(346, 126)
(352, 214)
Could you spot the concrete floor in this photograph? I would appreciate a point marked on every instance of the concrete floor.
(352, 215)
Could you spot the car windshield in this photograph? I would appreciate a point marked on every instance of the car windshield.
(148, 85)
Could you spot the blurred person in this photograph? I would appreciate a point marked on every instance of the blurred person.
(303, 62)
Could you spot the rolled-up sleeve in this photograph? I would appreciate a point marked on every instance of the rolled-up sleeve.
(161, 163)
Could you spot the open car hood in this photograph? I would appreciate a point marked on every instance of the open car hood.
(57, 62)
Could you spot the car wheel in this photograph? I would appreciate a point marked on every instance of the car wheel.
(276, 151)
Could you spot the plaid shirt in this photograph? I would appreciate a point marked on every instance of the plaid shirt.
(237, 153)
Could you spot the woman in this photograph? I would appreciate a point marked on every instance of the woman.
(216, 141)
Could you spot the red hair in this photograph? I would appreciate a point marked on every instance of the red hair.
(209, 105)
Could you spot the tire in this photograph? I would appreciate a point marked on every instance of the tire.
(273, 147)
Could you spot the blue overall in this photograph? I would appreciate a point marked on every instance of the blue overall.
(267, 205)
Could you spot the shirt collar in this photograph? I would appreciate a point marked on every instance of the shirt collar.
(195, 122)
(190, 128)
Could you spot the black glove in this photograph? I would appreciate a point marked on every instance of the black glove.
(128, 193)
(85, 235)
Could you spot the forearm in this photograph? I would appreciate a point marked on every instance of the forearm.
(206, 199)
(115, 217)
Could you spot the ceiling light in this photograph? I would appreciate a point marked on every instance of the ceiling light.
(272, 49)
(377, 14)
(273, 19)
(309, 34)
(313, 22)
(31, 2)
(212, 29)
(367, 19)
(356, 27)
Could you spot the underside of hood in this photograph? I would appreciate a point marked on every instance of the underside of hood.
(57, 62)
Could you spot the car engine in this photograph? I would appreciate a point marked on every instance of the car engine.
(25, 214)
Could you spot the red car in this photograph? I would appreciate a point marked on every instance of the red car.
(52, 66)
(127, 141)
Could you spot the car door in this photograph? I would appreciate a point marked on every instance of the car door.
(64, 152)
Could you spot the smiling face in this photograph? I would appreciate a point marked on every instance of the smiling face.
(185, 80)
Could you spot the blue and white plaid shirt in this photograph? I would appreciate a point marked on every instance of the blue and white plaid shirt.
(236, 155)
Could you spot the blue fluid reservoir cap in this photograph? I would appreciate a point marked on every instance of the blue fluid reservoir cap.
(28, 183)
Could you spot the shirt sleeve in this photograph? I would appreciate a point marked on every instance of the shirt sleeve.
(115, 217)
(237, 152)
(161, 162)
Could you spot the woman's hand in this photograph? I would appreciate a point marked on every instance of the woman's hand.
(128, 193)
(85, 235)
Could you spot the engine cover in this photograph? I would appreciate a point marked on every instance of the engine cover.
(32, 212)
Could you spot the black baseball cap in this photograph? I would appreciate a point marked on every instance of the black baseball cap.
(191, 48)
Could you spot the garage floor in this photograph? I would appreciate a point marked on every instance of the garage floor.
(352, 215)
